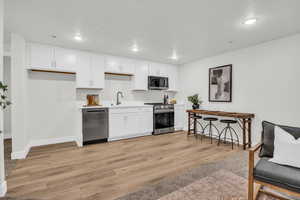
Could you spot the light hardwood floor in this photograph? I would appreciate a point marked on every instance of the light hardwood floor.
(109, 170)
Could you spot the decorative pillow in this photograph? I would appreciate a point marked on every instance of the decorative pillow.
(286, 148)
(268, 137)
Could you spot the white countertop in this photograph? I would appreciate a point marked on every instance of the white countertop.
(122, 105)
(117, 106)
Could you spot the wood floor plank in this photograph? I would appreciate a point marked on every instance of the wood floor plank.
(108, 170)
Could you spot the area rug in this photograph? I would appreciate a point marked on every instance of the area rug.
(211, 179)
(221, 185)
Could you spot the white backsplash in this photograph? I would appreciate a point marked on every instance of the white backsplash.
(113, 84)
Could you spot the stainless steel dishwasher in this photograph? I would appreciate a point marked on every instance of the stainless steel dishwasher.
(95, 125)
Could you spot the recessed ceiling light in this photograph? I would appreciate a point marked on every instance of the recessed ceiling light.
(135, 48)
(78, 37)
(174, 56)
(250, 21)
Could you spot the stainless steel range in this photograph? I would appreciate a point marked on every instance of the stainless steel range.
(163, 118)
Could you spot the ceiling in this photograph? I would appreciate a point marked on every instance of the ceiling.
(193, 28)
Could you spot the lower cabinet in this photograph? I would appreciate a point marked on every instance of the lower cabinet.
(130, 122)
(179, 113)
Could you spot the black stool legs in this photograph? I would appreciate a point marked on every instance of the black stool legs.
(210, 126)
(231, 131)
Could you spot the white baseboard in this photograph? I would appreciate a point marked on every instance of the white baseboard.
(42, 142)
(20, 154)
(3, 188)
(129, 136)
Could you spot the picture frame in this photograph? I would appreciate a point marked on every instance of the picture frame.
(220, 84)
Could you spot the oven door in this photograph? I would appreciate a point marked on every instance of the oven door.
(163, 122)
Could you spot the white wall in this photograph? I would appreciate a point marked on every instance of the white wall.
(7, 111)
(265, 81)
(18, 97)
(2, 174)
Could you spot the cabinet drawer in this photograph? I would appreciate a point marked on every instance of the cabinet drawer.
(131, 110)
(124, 110)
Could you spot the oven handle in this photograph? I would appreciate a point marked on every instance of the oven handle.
(164, 111)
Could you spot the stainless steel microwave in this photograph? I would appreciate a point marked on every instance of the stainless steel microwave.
(158, 83)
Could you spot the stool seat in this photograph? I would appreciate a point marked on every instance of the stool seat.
(228, 121)
(210, 119)
(197, 117)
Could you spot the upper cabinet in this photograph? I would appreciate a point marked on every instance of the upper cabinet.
(51, 58)
(65, 58)
(158, 69)
(90, 71)
(119, 65)
(140, 78)
(173, 78)
(40, 56)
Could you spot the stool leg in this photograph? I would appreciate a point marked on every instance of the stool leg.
(201, 126)
(225, 135)
(231, 137)
(237, 137)
(213, 126)
(210, 131)
(221, 135)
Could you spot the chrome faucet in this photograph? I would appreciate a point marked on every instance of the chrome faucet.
(118, 99)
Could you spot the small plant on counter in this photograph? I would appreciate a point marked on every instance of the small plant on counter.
(4, 102)
(195, 100)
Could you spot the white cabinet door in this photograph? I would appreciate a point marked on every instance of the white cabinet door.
(117, 125)
(119, 65)
(140, 79)
(83, 72)
(179, 116)
(146, 122)
(97, 71)
(126, 66)
(173, 77)
(111, 64)
(158, 69)
(90, 71)
(65, 59)
(40, 56)
(131, 125)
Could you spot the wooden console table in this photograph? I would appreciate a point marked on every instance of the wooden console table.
(244, 121)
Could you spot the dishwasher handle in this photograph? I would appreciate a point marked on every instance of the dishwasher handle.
(96, 110)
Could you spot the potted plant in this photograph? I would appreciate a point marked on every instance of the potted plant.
(194, 99)
(4, 102)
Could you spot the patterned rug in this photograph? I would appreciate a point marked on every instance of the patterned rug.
(221, 180)
(222, 185)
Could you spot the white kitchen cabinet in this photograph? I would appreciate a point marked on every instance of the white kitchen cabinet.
(65, 58)
(173, 78)
(179, 113)
(119, 65)
(90, 71)
(140, 78)
(83, 71)
(97, 71)
(45, 57)
(130, 122)
(158, 69)
(40, 56)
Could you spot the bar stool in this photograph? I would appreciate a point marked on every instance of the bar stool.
(210, 127)
(196, 119)
(230, 129)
